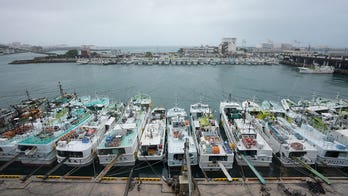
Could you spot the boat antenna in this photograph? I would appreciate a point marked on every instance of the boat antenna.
(60, 89)
(338, 96)
(27, 92)
(230, 97)
(313, 98)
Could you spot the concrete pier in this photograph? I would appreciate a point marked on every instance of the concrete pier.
(339, 62)
(116, 186)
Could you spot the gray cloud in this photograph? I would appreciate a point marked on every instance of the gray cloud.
(165, 22)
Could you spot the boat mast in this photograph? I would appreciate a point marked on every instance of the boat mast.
(27, 92)
(60, 89)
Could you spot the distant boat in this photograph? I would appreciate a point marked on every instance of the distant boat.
(325, 69)
(82, 61)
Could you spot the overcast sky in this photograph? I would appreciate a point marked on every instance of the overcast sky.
(173, 22)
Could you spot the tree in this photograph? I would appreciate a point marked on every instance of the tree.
(148, 54)
(72, 53)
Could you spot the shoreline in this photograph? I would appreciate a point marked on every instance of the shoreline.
(45, 60)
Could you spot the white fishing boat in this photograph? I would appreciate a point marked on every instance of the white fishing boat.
(242, 134)
(178, 132)
(41, 148)
(82, 61)
(285, 143)
(120, 144)
(10, 138)
(317, 69)
(152, 143)
(330, 151)
(80, 146)
(212, 149)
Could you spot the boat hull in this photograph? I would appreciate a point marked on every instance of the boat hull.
(150, 158)
(332, 162)
(123, 160)
(77, 162)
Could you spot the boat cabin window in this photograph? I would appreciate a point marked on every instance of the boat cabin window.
(69, 154)
(297, 154)
(149, 150)
(232, 113)
(252, 136)
(178, 156)
(111, 151)
(1, 150)
(248, 152)
(149, 147)
(24, 148)
(199, 114)
(217, 158)
(333, 154)
(181, 156)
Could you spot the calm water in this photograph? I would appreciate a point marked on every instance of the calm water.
(189, 84)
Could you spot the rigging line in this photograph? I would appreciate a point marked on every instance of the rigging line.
(134, 169)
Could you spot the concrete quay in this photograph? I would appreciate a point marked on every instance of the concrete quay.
(76, 186)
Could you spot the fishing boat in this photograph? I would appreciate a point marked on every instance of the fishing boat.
(82, 61)
(211, 148)
(7, 117)
(316, 69)
(80, 146)
(178, 132)
(9, 139)
(152, 142)
(285, 143)
(330, 151)
(121, 142)
(62, 121)
(244, 137)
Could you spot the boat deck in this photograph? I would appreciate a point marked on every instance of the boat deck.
(35, 139)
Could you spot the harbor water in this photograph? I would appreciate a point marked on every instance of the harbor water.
(165, 83)
(187, 84)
